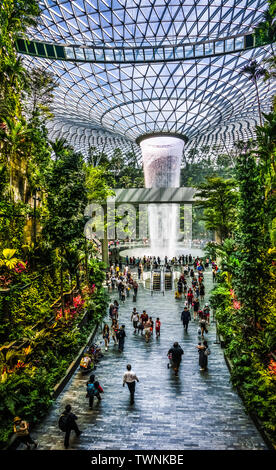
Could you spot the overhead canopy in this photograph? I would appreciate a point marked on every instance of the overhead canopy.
(140, 67)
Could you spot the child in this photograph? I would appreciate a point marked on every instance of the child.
(157, 327)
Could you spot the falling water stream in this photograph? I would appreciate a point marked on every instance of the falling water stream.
(162, 157)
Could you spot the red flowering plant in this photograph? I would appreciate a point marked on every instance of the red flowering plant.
(89, 290)
(20, 267)
(67, 313)
(70, 311)
(78, 302)
(92, 289)
(272, 367)
(236, 304)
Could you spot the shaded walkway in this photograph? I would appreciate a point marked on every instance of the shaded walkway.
(197, 410)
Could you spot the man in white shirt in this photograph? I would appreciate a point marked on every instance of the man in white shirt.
(129, 379)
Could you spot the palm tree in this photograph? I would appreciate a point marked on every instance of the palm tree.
(266, 29)
(59, 146)
(14, 135)
(254, 71)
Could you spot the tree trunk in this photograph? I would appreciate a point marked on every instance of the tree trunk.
(61, 287)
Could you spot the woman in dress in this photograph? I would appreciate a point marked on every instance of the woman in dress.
(114, 330)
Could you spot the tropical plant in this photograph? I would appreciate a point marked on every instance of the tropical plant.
(9, 260)
(218, 197)
(254, 71)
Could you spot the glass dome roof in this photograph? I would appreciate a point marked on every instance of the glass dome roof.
(145, 22)
(111, 104)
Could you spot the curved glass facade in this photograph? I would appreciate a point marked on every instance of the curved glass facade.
(111, 104)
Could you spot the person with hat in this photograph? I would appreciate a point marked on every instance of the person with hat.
(21, 430)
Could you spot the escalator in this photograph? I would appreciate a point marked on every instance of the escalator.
(168, 280)
(156, 280)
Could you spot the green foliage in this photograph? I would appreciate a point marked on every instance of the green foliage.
(252, 237)
(218, 197)
(65, 201)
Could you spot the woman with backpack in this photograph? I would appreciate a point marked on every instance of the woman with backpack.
(67, 423)
(93, 389)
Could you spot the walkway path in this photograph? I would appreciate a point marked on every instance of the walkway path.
(197, 410)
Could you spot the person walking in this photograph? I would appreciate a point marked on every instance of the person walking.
(185, 317)
(202, 292)
(69, 420)
(93, 389)
(22, 433)
(203, 326)
(190, 296)
(157, 327)
(121, 338)
(135, 319)
(135, 289)
(204, 352)
(144, 317)
(129, 379)
(147, 330)
(176, 353)
(106, 335)
(206, 314)
(115, 330)
(196, 308)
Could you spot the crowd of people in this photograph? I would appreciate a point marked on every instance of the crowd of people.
(189, 288)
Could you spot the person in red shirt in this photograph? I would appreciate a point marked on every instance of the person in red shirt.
(144, 317)
(157, 327)
(190, 296)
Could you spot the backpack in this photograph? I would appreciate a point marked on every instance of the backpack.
(91, 389)
(63, 422)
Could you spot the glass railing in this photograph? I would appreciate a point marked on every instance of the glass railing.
(138, 54)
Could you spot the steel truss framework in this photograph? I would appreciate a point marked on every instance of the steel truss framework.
(110, 103)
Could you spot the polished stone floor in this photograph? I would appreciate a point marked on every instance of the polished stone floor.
(196, 410)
